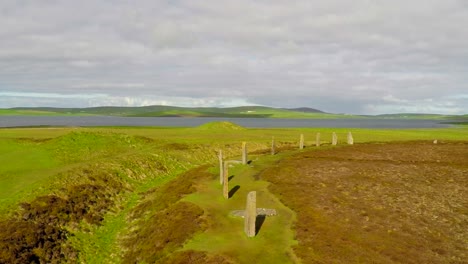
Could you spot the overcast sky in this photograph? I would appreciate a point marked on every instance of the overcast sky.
(360, 56)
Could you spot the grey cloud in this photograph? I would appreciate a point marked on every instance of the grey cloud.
(341, 56)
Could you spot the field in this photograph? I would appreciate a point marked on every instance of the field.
(146, 195)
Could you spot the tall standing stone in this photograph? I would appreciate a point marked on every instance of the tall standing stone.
(334, 139)
(226, 180)
(301, 142)
(244, 153)
(273, 145)
(317, 140)
(221, 167)
(350, 139)
(250, 215)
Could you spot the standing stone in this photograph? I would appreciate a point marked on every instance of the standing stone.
(334, 139)
(221, 167)
(226, 180)
(273, 145)
(301, 142)
(350, 139)
(250, 215)
(317, 140)
(244, 153)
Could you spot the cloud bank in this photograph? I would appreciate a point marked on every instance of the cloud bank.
(360, 56)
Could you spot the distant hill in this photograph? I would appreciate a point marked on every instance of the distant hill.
(305, 110)
(239, 112)
(174, 111)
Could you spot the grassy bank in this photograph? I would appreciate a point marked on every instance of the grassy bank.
(133, 174)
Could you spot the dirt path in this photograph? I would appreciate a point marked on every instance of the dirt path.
(378, 203)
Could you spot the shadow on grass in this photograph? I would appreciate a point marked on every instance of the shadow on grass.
(233, 190)
(259, 222)
(230, 177)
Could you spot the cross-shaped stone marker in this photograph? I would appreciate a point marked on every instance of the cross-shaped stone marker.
(251, 212)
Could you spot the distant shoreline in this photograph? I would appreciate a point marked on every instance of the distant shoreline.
(115, 121)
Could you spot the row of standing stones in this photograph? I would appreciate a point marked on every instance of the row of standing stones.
(251, 211)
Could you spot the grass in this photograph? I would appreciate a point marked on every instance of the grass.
(33, 112)
(225, 233)
(24, 165)
(32, 156)
(56, 161)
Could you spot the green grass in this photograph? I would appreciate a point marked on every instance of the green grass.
(25, 162)
(39, 161)
(34, 112)
(23, 165)
(226, 236)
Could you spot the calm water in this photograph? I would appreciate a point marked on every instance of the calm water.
(23, 121)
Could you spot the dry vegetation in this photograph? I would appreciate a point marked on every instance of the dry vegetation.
(378, 203)
(38, 232)
(162, 223)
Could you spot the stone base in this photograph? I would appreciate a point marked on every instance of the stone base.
(260, 211)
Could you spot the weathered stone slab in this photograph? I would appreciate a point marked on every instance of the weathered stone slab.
(244, 153)
(221, 167)
(226, 180)
(250, 215)
(350, 139)
(301, 142)
(334, 139)
(273, 145)
(317, 140)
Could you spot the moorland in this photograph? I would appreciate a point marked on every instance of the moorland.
(152, 195)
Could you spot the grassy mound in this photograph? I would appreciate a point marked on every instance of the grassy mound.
(223, 125)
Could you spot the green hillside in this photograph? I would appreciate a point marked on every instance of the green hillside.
(239, 112)
(173, 111)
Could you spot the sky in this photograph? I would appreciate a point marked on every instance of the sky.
(356, 57)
